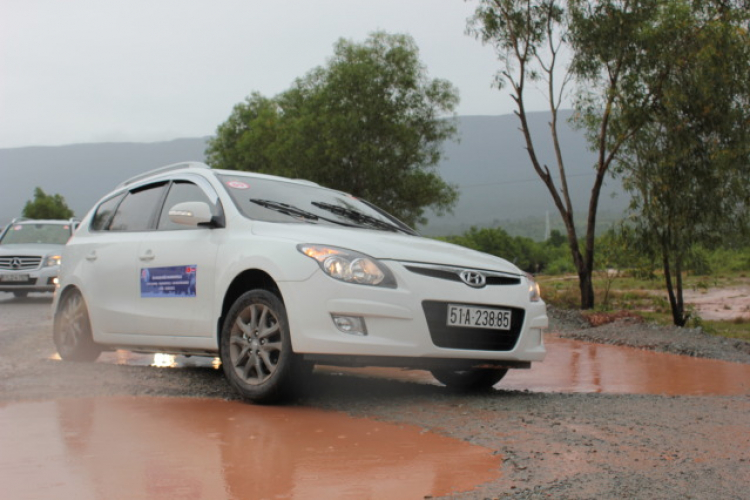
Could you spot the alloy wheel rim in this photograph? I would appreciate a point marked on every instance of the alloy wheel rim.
(255, 344)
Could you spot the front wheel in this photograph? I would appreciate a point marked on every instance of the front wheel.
(72, 330)
(256, 348)
(19, 294)
(476, 379)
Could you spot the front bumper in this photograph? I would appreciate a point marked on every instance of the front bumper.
(401, 323)
(38, 280)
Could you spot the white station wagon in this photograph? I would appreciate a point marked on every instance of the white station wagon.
(274, 275)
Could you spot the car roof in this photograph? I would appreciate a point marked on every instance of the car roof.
(194, 166)
(257, 175)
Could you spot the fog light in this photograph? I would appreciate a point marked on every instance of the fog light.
(353, 325)
(536, 334)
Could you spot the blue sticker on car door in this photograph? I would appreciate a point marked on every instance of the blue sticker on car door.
(173, 281)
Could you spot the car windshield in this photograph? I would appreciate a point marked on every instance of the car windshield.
(33, 233)
(279, 201)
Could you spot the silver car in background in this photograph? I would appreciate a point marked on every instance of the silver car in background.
(30, 252)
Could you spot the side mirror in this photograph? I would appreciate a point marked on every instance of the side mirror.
(191, 213)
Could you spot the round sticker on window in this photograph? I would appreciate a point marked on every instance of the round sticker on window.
(238, 185)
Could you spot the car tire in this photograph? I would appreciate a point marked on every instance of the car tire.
(256, 349)
(72, 330)
(477, 379)
(20, 294)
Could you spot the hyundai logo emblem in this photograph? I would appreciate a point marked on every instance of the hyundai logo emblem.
(473, 278)
(15, 263)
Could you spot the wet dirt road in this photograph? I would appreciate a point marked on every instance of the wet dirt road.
(423, 442)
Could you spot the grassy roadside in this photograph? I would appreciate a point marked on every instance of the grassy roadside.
(647, 298)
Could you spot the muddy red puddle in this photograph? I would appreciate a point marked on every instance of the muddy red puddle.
(134, 448)
(573, 366)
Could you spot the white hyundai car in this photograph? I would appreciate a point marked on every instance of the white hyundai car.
(275, 275)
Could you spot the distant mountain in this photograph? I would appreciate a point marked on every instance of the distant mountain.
(82, 173)
(497, 184)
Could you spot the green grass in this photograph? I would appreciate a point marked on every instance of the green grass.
(735, 329)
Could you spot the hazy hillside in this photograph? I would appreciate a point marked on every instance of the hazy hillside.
(82, 173)
(498, 184)
(489, 165)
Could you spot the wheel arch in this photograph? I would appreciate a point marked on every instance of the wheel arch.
(250, 279)
(61, 294)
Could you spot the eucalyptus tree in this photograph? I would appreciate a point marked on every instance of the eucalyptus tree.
(579, 49)
(688, 169)
(370, 122)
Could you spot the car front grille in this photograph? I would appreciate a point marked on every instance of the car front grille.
(454, 274)
(19, 263)
(477, 339)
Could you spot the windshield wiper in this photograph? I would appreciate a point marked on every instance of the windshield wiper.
(358, 217)
(285, 209)
(293, 211)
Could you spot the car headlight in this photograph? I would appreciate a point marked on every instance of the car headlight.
(349, 266)
(535, 293)
(52, 260)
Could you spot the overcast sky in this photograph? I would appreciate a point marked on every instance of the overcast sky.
(77, 71)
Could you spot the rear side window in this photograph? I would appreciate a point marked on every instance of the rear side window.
(137, 210)
(104, 213)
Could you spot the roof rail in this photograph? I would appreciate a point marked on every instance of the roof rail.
(20, 219)
(160, 170)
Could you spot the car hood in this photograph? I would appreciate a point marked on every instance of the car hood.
(386, 245)
(30, 249)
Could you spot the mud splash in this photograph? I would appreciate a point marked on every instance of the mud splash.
(205, 449)
(570, 366)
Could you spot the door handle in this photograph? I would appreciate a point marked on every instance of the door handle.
(147, 255)
(91, 256)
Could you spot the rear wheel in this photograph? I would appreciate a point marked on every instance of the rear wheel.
(256, 348)
(477, 379)
(72, 330)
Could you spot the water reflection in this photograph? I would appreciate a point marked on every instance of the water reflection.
(171, 448)
(573, 366)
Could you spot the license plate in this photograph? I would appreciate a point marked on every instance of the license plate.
(14, 277)
(478, 317)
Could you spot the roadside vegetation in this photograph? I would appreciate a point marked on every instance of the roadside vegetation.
(626, 283)
(47, 206)
(661, 90)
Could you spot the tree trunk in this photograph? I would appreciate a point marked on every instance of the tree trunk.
(678, 292)
(586, 286)
(675, 300)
